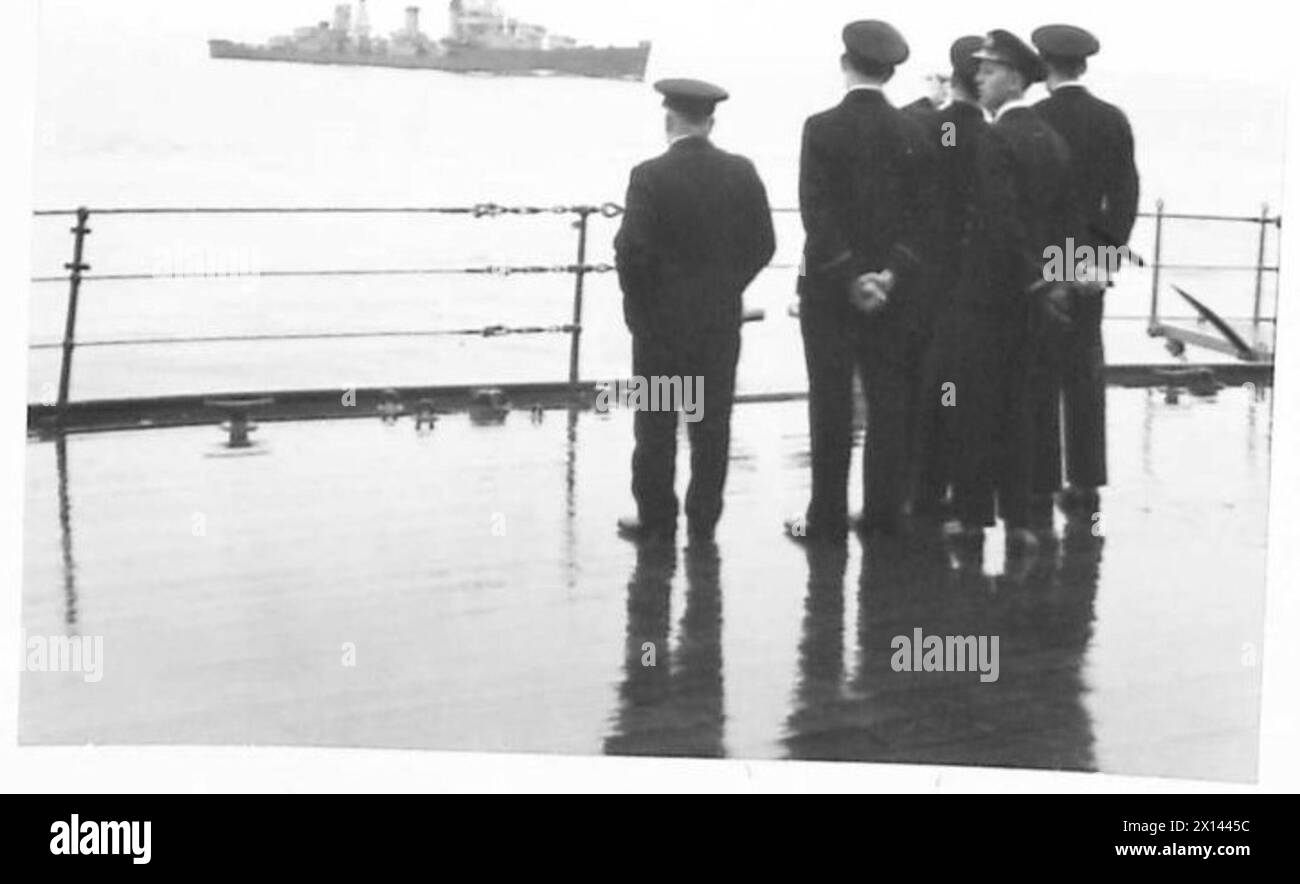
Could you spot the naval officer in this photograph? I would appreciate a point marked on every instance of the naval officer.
(956, 130)
(696, 231)
(1104, 187)
(1006, 411)
(863, 177)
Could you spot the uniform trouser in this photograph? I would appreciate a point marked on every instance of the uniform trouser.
(1008, 426)
(711, 356)
(1083, 387)
(936, 428)
(837, 343)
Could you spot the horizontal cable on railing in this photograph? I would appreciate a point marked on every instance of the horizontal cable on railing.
(1131, 317)
(486, 271)
(1182, 216)
(489, 270)
(479, 210)
(1234, 267)
(491, 331)
(490, 210)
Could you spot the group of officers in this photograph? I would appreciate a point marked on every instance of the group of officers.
(925, 274)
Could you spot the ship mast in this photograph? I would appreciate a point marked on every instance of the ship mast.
(362, 25)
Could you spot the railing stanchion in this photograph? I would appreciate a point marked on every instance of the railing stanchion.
(1259, 263)
(575, 336)
(75, 269)
(1155, 269)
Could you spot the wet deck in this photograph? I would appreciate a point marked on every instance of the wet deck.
(476, 572)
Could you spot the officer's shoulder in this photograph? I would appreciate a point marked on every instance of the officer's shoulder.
(649, 168)
(824, 118)
(1102, 115)
(1112, 111)
(1089, 100)
(1018, 124)
(738, 160)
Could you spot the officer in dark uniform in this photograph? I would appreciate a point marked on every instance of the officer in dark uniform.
(696, 231)
(925, 110)
(1006, 393)
(863, 181)
(1104, 184)
(955, 131)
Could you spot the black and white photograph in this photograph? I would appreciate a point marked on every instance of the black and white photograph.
(874, 384)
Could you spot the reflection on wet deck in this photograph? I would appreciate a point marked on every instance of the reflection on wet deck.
(476, 573)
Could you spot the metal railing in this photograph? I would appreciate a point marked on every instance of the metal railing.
(1259, 268)
(78, 273)
(1218, 334)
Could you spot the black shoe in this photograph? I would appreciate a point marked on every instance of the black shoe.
(962, 532)
(1042, 526)
(1081, 537)
(801, 530)
(1025, 555)
(1080, 502)
(632, 528)
(1022, 543)
(965, 545)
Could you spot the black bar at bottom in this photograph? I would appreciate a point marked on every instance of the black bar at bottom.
(984, 834)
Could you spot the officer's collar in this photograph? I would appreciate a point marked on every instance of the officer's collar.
(1015, 104)
(689, 140)
(861, 91)
(1068, 84)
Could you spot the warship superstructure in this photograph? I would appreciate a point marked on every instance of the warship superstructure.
(480, 39)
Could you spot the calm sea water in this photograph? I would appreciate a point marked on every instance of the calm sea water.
(158, 123)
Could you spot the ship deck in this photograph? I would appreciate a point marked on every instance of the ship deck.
(356, 583)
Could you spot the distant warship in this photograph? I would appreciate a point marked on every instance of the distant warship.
(481, 39)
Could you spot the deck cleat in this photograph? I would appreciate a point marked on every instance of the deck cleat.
(489, 406)
(426, 415)
(390, 406)
(1198, 381)
(237, 423)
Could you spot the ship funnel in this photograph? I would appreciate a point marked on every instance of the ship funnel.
(342, 18)
(413, 21)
